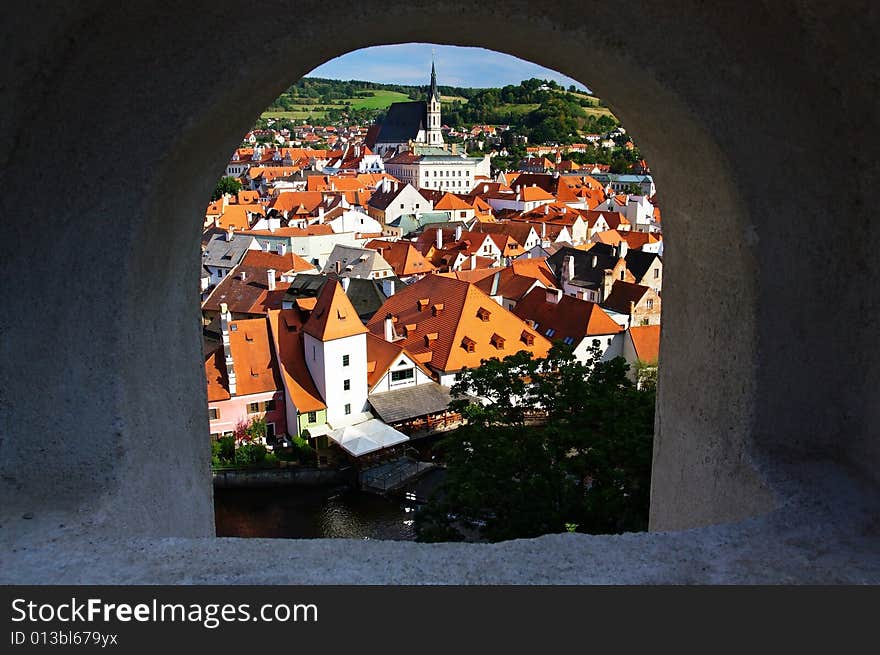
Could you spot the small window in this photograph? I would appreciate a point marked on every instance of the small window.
(405, 374)
(622, 273)
(568, 341)
(346, 385)
(253, 408)
(270, 405)
(348, 408)
(213, 413)
(650, 303)
(346, 360)
(313, 417)
(656, 273)
(550, 332)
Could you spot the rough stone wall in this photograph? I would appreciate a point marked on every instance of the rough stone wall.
(118, 119)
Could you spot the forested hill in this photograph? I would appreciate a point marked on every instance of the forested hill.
(540, 109)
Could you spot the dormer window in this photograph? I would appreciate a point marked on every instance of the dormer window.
(423, 304)
(469, 344)
(437, 308)
(527, 338)
(430, 338)
(483, 314)
(498, 341)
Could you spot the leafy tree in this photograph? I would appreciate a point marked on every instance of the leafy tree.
(557, 445)
(226, 185)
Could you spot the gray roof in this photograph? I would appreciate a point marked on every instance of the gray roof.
(410, 402)
(403, 122)
(355, 262)
(585, 274)
(365, 295)
(222, 253)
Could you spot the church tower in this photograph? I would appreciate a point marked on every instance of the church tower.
(435, 136)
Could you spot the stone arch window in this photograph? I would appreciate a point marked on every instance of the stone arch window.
(748, 435)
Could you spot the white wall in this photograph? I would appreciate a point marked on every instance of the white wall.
(324, 360)
(385, 384)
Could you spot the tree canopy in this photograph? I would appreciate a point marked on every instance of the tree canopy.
(555, 445)
(226, 185)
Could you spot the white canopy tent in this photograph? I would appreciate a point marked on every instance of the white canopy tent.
(367, 437)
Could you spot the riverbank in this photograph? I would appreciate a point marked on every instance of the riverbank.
(296, 476)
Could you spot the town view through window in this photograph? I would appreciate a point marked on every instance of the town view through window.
(431, 298)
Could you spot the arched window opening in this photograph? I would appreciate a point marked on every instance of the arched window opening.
(352, 254)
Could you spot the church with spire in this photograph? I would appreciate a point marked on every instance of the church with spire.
(409, 124)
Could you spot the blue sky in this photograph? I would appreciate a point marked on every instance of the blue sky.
(410, 63)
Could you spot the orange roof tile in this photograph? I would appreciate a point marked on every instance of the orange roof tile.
(333, 317)
(402, 256)
(569, 318)
(458, 323)
(646, 342)
(253, 359)
(381, 355)
(286, 326)
(215, 376)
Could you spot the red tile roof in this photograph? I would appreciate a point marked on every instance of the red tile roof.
(333, 317)
(646, 342)
(441, 334)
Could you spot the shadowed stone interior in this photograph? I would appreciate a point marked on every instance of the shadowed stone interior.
(117, 121)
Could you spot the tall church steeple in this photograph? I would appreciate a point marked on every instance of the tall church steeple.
(435, 136)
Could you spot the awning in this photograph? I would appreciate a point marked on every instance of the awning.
(367, 437)
(410, 402)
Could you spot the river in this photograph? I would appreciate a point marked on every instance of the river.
(317, 512)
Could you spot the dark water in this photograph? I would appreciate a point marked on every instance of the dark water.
(316, 512)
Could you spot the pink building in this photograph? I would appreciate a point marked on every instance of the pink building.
(243, 379)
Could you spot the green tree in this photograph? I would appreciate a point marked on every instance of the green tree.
(226, 185)
(555, 443)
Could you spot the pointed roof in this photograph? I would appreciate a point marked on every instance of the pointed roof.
(435, 92)
(646, 342)
(568, 320)
(286, 327)
(334, 317)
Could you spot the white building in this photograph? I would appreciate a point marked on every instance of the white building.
(438, 170)
(335, 344)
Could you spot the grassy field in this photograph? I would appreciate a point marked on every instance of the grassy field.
(379, 100)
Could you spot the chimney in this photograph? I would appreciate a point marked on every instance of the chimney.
(388, 287)
(216, 221)
(243, 276)
(485, 188)
(546, 209)
(595, 260)
(338, 267)
(473, 262)
(274, 223)
(543, 230)
(345, 282)
(624, 248)
(554, 296)
(568, 268)
(439, 238)
(225, 320)
(458, 232)
(495, 280)
(389, 328)
(282, 249)
(229, 232)
(320, 213)
(270, 278)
